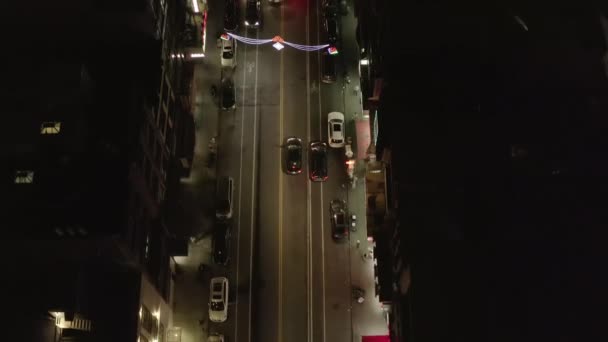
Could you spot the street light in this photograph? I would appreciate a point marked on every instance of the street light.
(364, 61)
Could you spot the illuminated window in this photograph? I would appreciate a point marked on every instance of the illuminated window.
(147, 247)
(51, 127)
(24, 177)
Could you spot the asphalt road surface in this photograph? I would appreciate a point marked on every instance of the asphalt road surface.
(300, 288)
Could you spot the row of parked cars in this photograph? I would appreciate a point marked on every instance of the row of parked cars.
(219, 288)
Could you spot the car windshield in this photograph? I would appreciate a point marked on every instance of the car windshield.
(328, 64)
(332, 27)
(228, 95)
(340, 219)
(294, 154)
(337, 127)
(217, 306)
(217, 287)
(228, 53)
(219, 240)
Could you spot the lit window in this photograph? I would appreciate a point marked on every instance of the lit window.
(52, 127)
(24, 177)
(147, 247)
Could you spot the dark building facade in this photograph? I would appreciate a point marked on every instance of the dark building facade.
(487, 134)
(100, 130)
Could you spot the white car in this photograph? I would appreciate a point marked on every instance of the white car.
(229, 53)
(335, 129)
(215, 338)
(218, 303)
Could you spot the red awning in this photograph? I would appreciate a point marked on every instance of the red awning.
(384, 338)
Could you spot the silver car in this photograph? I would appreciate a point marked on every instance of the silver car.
(228, 53)
(218, 302)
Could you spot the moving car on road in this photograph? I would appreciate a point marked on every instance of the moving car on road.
(318, 161)
(253, 14)
(293, 155)
(228, 57)
(335, 129)
(227, 95)
(218, 302)
(339, 222)
(220, 243)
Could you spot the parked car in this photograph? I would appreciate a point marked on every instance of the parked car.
(332, 27)
(228, 53)
(223, 198)
(227, 95)
(220, 243)
(253, 14)
(318, 161)
(293, 155)
(218, 301)
(339, 221)
(231, 15)
(335, 129)
(328, 66)
(215, 338)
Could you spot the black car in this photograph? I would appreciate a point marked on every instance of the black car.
(339, 222)
(318, 161)
(332, 27)
(231, 15)
(253, 14)
(328, 66)
(293, 155)
(227, 95)
(221, 243)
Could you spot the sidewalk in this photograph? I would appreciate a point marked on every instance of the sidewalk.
(192, 288)
(368, 317)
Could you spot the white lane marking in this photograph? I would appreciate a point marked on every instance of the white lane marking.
(238, 228)
(255, 126)
(309, 269)
(321, 201)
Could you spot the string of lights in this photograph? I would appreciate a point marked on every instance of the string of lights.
(278, 42)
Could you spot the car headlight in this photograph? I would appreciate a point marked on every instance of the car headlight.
(246, 23)
(257, 23)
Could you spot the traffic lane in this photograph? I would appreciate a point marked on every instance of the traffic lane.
(337, 258)
(233, 157)
(265, 305)
(295, 280)
(320, 230)
(337, 299)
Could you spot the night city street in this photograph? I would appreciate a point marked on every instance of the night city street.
(304, 171)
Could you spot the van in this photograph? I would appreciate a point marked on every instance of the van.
(223, 198)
